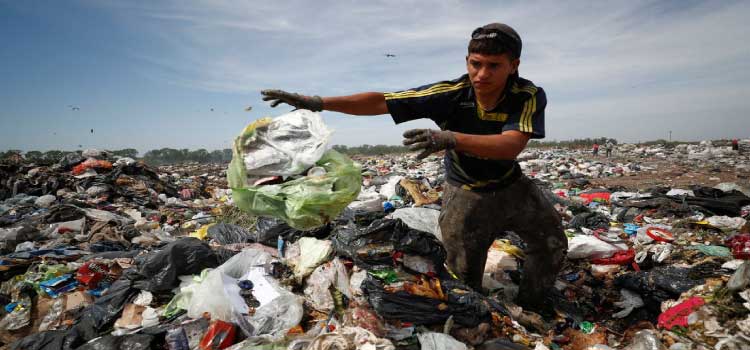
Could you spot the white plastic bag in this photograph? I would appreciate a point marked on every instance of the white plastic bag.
(317, 285)
(629, 301)
(287, 145)
(219, 293)
(726, 222)
(421, 219)
(439, 341)
(312, 252)
(590, 247)
(388, 190)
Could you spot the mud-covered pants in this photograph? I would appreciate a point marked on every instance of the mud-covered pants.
(470, 222)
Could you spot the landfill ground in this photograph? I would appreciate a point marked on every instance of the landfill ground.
(104, 252)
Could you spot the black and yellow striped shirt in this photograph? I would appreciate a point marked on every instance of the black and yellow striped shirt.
(453, 106)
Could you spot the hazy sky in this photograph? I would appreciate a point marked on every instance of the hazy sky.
(146, 74)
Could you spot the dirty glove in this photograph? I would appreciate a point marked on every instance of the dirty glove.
(428, 141)
(313, 103)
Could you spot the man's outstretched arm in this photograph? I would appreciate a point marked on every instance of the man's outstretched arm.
(367, 103)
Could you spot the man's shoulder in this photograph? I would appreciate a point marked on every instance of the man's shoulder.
(523, 90)
(523, 86)
(441, 88)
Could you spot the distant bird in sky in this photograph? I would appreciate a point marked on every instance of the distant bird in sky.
(248, 108)
(390, 55)
(92, 131)
(212, 109)
(74, 108)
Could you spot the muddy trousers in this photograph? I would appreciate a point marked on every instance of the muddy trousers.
(471, 221)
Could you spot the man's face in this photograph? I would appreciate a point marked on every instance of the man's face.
(488, 73)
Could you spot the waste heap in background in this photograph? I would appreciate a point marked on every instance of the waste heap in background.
(101, 252)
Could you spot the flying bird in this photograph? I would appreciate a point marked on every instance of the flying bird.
(248, 108)
(74, 108)
(92, 131)
(390, 55)
(212, 109)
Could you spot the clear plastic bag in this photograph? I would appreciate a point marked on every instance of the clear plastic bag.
(218, 293)
(420, 219)
(283, 146)
(303, 203)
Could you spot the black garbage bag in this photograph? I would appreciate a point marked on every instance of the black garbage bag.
(48, 340)
(69, 161)
(107, 246)
(375, 245)
(100, 315)
(159, 270)
(360, 217)
(658, 284)
(590, 220)
(667, 206)
(141, 172)
(224, 233)
(120, 342)
(627, 214)
(717, 201)
(268, 231)
(467, 307)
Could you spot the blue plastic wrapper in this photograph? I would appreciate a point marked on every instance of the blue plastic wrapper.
(58, 285)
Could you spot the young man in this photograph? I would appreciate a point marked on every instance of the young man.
(608, 148)
(486, 117)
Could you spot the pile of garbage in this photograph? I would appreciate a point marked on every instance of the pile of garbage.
(295, 246)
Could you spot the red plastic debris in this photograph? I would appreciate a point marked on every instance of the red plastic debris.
(660, 234)
(220, 335)
(89, 164)
(622, 257)
(740, 246)
(91, 273)
(678, 314)
(638, 219)
(595, 197)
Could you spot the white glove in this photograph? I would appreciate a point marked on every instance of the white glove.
(630, 300)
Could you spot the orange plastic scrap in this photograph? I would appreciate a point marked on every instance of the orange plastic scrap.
(428, 288)
(91, 163)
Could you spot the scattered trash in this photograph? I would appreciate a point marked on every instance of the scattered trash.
(295, 246)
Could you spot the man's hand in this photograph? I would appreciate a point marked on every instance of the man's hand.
(313, 103)
(428, 141)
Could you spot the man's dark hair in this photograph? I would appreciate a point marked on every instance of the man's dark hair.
(495, 39)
